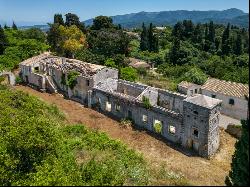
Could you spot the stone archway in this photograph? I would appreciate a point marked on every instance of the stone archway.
(11, 77)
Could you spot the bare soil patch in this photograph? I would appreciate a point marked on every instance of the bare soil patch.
(198, 171)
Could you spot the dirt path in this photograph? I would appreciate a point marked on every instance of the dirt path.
(198, 171)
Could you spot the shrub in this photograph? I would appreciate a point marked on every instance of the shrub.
(18, 80)
(129, 74)
(146, 102)
(72, 79)
(196, 76)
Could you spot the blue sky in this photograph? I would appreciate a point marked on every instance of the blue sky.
(41, 11)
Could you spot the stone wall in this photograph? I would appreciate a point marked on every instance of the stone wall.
(135, 111)
(206, 124)
(37, 80)
(171, 100)
(129, 88)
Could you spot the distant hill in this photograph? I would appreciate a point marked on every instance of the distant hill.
(44, 28)
(233, 16)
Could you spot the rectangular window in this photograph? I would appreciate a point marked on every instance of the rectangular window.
(144, 118)
(158, 126)
(231, 101)
(172, 129)
(213, 96)
(195, 133)
(196, 91)
(87, 82)
(117, 107)
(108, 106)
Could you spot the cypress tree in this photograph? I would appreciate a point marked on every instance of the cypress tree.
(3, 40)
(188, 27)
(178, 30)
(211, 32)
(5, 26)
(197, 36)
(226, 41)
(239, 174)
(174, 53)
(238, 45)
(150, 37)
(14, 26)
(207, 42)
(144, 38)
(58, 19)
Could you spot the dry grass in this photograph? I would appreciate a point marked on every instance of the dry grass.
(193, 170)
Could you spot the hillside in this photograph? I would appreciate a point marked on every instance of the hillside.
(38, 147)
(234, 16)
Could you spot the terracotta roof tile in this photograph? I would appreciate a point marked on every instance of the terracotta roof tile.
(226, 87)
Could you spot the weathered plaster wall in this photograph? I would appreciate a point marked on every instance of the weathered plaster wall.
(238, 110)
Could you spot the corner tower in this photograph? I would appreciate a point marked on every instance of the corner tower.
(201, 115)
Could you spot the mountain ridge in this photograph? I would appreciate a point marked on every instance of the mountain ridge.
(172, 17)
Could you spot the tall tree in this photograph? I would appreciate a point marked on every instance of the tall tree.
(102, 22)
(73, 19)
(144, 38)
(5, 26)
(178, 30)
(197, 36)
(226, 48)
(54, 38)
(188, 28)
(238, 45)
(14, 26)
(150, 37)
(211, 32)
(239, 174)
(174, 52)
(58, 19)
(207, 42)
(3, 40)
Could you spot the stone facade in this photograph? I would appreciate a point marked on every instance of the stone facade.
(190, 121)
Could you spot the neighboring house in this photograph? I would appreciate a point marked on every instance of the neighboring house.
(192, 122)
(189, 88)
(137, 63)
(234, 96)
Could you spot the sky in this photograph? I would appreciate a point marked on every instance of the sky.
(30, 12)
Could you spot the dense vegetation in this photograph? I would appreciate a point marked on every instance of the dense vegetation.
(38, 147)
(239, 174)
(18, 45)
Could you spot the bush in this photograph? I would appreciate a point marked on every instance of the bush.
(37, 148)
(129, 74)
(196, 76)
(146, 102)
(72, 79)
(18, 80)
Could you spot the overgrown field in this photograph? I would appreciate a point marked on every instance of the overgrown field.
(37, 147)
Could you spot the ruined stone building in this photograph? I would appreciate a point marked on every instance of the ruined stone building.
(190, 121)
